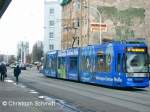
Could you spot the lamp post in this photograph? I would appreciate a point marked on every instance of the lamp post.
(100, 21)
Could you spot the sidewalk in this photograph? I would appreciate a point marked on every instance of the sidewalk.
(19, 98)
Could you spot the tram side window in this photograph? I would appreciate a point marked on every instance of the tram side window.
(124, 63)
(46, 61)
(53, 63)
(82, 63)
(108, 63)
(85, 65)
(73, 63)
(119, 63)
(101, 63)
(50, 64)
(61, 62)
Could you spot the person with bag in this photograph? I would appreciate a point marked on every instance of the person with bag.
(17, 72)
(3, 71)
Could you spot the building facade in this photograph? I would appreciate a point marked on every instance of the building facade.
(92, 21)
(22, 51)
(52, 26)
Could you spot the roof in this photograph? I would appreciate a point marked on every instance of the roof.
(3, 6)
(64, 2)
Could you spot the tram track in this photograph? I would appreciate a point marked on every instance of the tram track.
(103, 94)
(105, 97)
(108, 91)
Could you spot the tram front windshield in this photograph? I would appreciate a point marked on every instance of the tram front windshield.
(137, 62)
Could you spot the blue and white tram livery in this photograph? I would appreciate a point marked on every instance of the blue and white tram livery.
(115, 64)
(50, 64)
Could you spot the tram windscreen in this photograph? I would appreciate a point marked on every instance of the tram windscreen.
(137, 62)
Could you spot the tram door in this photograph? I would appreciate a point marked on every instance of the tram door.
(118, 77)
(73, 68)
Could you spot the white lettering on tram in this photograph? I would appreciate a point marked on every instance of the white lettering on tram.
(117, 79)
(104, 79)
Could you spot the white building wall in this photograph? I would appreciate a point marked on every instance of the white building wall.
(56, 29)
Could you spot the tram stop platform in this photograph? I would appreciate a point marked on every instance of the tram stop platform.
(19, 98)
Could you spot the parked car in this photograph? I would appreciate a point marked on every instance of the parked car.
(13, 65)
(36, 63)
(29, 65)
(23, 66)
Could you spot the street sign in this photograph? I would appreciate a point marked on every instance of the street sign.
(97, 27)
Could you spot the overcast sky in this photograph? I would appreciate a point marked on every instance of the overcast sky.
(23, 20)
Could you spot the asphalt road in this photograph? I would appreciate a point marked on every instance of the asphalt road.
(87, 98)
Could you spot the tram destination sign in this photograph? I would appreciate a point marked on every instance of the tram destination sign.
(138, 50)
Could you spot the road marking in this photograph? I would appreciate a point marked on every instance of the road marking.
(33, 91)
(9, 80)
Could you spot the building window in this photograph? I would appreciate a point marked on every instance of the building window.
(78, 4)
(51, 11)
(51, 47)
(51, 35)
(51, 23)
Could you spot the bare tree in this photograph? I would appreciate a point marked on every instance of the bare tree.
(37, 52)
(11, 59)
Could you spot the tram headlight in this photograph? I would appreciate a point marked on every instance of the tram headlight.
(147, 74)
(137, 75)
(129, 74)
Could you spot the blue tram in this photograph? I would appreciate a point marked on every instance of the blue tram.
(116, 64)
(50, 64)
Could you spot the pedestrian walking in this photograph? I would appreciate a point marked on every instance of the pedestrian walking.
(3, 71)
(17, 72)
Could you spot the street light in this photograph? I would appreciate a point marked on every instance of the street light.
(100, 21)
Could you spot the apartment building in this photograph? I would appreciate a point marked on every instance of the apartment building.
(93, 21)
(52, 26)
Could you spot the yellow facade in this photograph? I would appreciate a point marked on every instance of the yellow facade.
(120, 20)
